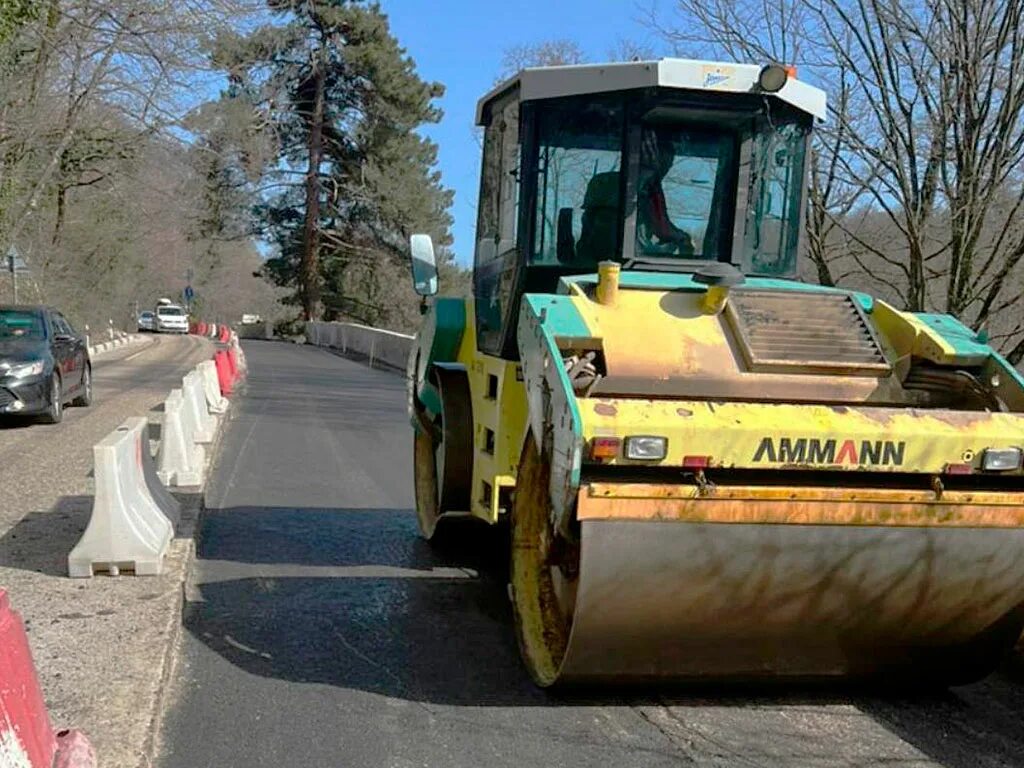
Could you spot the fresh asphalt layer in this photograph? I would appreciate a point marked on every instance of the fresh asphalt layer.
(321, 631)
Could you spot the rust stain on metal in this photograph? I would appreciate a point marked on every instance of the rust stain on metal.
(605, 409)
(684, 412)
(800, 506)
(959, 418)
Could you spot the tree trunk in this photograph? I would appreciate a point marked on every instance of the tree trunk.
(309, 269)
(58, 224)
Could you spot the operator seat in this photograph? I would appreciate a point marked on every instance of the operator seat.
(600, 226)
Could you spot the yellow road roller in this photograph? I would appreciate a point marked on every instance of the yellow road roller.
(710, 470)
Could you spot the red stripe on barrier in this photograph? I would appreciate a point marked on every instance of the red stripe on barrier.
(25, 730)
(224, 377)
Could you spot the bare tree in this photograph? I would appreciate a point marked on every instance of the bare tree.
(918, 176)
(96, 180)
(547, 53)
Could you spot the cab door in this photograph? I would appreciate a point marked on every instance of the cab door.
(497, 259)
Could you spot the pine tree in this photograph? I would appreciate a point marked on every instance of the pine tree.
(351, 178)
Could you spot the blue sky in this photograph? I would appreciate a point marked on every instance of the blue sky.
(461, 43)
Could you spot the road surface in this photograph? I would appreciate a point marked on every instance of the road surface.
(321, 631)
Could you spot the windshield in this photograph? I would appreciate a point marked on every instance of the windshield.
(20, 324)
(684, 189)
(173, 311)
(692, 162)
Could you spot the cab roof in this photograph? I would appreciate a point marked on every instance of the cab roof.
(684, 74)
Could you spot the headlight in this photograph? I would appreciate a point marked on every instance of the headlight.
(1001, 459)
(646, 448)
(26, 369)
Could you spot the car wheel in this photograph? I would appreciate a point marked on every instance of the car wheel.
(84, 400)
(55, 412)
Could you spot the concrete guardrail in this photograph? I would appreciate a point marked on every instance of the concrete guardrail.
(377, 346)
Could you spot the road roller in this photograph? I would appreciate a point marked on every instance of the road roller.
(709, 469)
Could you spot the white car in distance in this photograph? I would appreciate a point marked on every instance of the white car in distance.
(170, 318)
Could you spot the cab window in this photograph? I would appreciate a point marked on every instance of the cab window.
(496, 257)
(685, 187)
(778, 154)
(579, 186)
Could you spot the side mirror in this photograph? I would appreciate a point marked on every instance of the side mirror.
(424, 265)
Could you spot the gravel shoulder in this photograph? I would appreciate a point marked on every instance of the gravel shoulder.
(101, 646)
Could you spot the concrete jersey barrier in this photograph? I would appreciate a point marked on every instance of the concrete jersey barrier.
(378, 346)
(128, 528)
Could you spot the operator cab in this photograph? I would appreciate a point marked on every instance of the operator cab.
(664, 165)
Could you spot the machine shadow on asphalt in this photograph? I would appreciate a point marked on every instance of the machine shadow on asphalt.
(366, 604)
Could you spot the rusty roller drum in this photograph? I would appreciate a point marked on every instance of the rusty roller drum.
(649, 600)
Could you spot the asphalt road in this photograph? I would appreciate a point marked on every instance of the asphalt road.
(99, 645)
(321, 631)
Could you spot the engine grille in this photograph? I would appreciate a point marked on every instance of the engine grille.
(800, 331)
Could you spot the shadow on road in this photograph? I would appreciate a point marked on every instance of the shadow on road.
(355, 599)
(17, 422)
(41, 541)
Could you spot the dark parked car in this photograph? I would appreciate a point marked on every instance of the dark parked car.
(44, 363)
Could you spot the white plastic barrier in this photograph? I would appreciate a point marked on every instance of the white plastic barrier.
(180, 460)
(203, 423)
(215, 401)
(378, 346)
(239, 354)
(129, 528)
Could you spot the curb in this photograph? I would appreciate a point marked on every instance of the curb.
(132, 340)
(172, 654)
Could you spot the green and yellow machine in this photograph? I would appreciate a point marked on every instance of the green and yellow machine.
(709, 469)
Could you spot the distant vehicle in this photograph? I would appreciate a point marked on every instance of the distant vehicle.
(44, 363)
(170, 318)
(147, 321)
(164, 302)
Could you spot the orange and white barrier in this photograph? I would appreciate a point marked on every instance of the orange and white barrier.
(27, 739)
